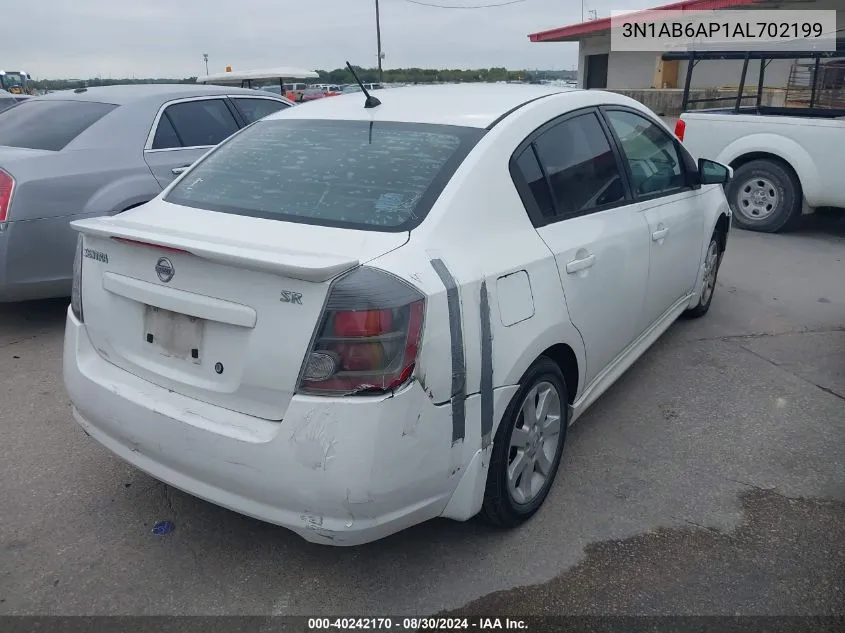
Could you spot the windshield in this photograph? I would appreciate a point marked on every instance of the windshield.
(12, 79)
(50, 124)
(378, 176)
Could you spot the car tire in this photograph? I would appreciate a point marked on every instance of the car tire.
(509, 498)
(765, 196)
(712, 262)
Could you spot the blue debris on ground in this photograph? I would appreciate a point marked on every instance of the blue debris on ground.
(163, 527)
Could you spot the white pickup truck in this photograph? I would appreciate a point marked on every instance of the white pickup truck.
(788, 159)
(784, 166)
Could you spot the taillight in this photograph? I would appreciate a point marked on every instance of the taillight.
(368, 337)
(680, 128)
(7, 186)
(76, 287)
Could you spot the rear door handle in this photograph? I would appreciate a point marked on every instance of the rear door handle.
(659, 234)
(178, 170)
(580, 264)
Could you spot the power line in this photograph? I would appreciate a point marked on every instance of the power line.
(464, 6)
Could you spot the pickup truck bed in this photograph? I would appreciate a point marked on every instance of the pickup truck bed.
(783, 165)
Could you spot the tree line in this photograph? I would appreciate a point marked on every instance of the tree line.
(343, 76)
(433, 75)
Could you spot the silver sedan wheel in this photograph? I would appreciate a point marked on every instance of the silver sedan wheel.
(757, 198)
(534, 443)
(711, 266)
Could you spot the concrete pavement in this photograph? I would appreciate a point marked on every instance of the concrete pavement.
(709, 479)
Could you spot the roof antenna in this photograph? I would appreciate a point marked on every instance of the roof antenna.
(371, 101)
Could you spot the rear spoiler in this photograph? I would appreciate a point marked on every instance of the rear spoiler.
(314, 267)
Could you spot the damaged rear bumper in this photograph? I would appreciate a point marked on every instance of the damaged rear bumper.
(341, 471)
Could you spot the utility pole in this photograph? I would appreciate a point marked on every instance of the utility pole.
(378, 40)
(205, 57)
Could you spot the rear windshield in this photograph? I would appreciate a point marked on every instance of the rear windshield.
(49, 125)
(379, 176)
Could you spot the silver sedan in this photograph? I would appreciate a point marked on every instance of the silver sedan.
(99, 151)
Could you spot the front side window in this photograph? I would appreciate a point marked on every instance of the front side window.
(580, 165)
(356, 174)
(651, 154)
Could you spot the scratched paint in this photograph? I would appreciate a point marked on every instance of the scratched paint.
(313, 440)
(410, 424)
(311, 521)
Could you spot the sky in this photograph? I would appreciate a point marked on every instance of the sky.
(166, 38)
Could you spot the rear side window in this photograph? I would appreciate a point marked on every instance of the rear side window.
(581, 167)
(165, 137)
(48, 124)
(357, 174)
(200, 123)
(253, 109)
(534, 178)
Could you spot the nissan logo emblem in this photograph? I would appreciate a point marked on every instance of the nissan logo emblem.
(164, 269)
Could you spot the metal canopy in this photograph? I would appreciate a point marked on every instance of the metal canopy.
(704, 54)
(766, 57)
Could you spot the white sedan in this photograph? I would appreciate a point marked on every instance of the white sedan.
(348, 320)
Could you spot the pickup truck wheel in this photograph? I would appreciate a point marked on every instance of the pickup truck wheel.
(527, 447)
(765, 196)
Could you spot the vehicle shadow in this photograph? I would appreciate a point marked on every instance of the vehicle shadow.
(29, 317)
(825, 222)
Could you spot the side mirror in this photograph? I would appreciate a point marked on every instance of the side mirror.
(712, 173)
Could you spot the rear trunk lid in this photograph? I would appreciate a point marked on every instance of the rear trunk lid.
(24, 164)
(12, 155)
(216, 307)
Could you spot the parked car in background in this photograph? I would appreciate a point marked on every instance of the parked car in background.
(348, 320)
(277, 89)
(294, 92)
(788, 158)
(311, 94)
(272, 89)
(356, 88)
(99, 151)
(784, 164)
